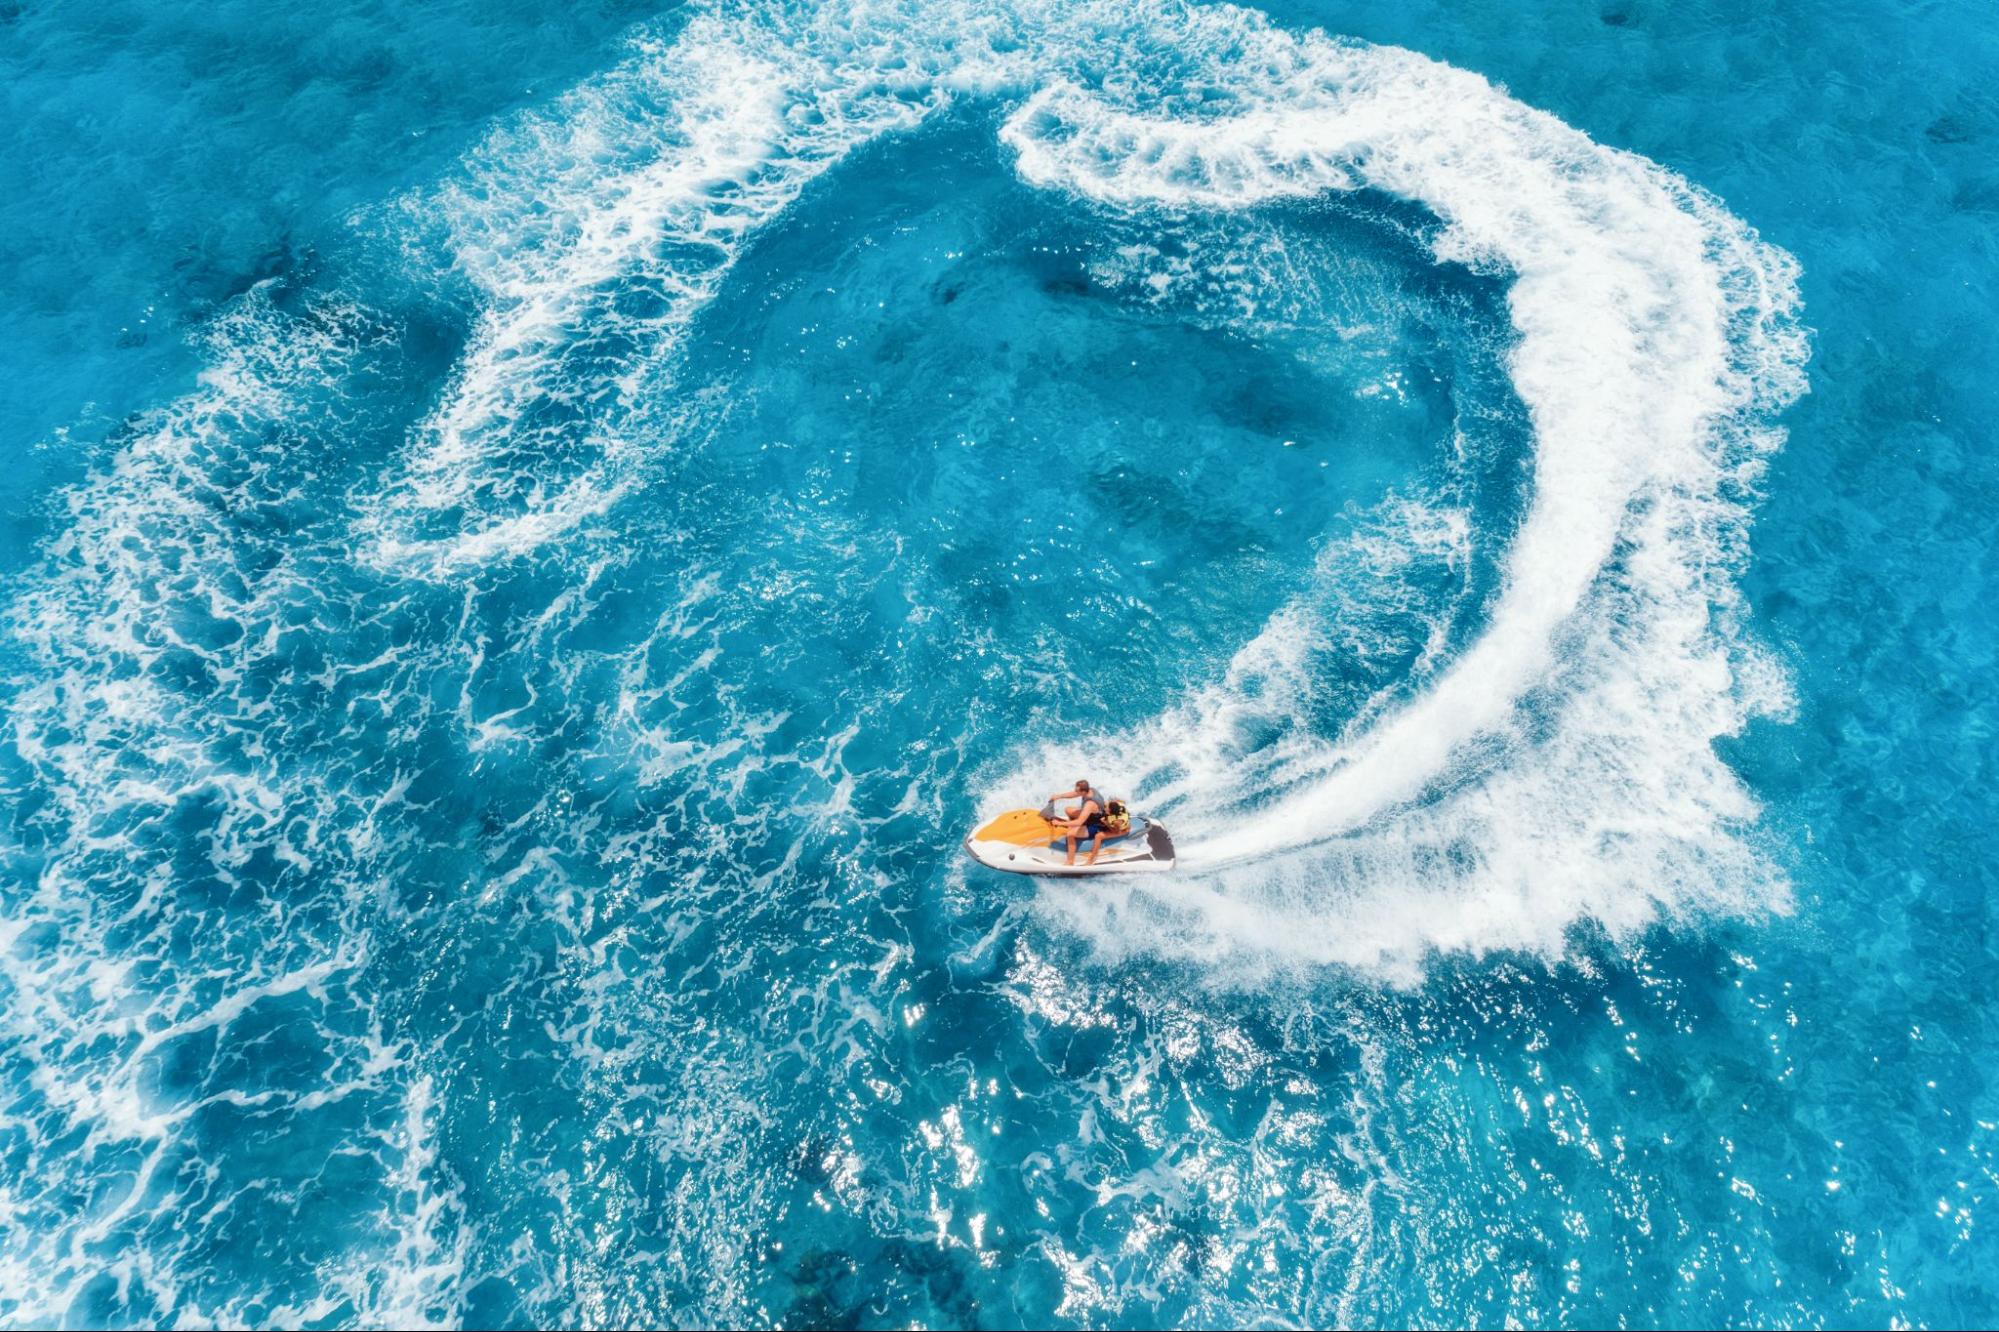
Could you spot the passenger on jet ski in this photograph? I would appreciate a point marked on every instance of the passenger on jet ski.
(1092, 818)
(1115, 821)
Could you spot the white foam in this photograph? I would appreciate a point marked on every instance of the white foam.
(1561, 764)
(1559, 768)
(421, 1284)
(1655, 335)
(649, 180)
(1653, 330)
(95, 950)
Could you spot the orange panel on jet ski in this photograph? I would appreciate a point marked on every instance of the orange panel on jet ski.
(1018, 827)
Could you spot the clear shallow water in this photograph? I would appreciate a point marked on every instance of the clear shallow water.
(498, 672)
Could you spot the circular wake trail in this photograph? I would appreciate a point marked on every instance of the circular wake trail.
(1655, 337)
(1561, 766)
(202, 634)
(1620, 297)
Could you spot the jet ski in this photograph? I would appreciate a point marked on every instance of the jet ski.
(1030, 841)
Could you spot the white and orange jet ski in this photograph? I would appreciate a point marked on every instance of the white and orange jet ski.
(1029, 841)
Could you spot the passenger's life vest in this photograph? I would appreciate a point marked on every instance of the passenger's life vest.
(1117, 818)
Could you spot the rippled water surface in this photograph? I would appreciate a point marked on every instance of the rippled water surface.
(531, 534)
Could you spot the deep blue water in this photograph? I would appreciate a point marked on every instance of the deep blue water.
(532, 532)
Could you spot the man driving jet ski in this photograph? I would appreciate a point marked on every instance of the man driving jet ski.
(1092, 817)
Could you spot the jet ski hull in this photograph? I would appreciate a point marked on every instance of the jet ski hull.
(1021, 841)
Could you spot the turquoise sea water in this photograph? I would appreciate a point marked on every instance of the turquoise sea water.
(531, 533)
